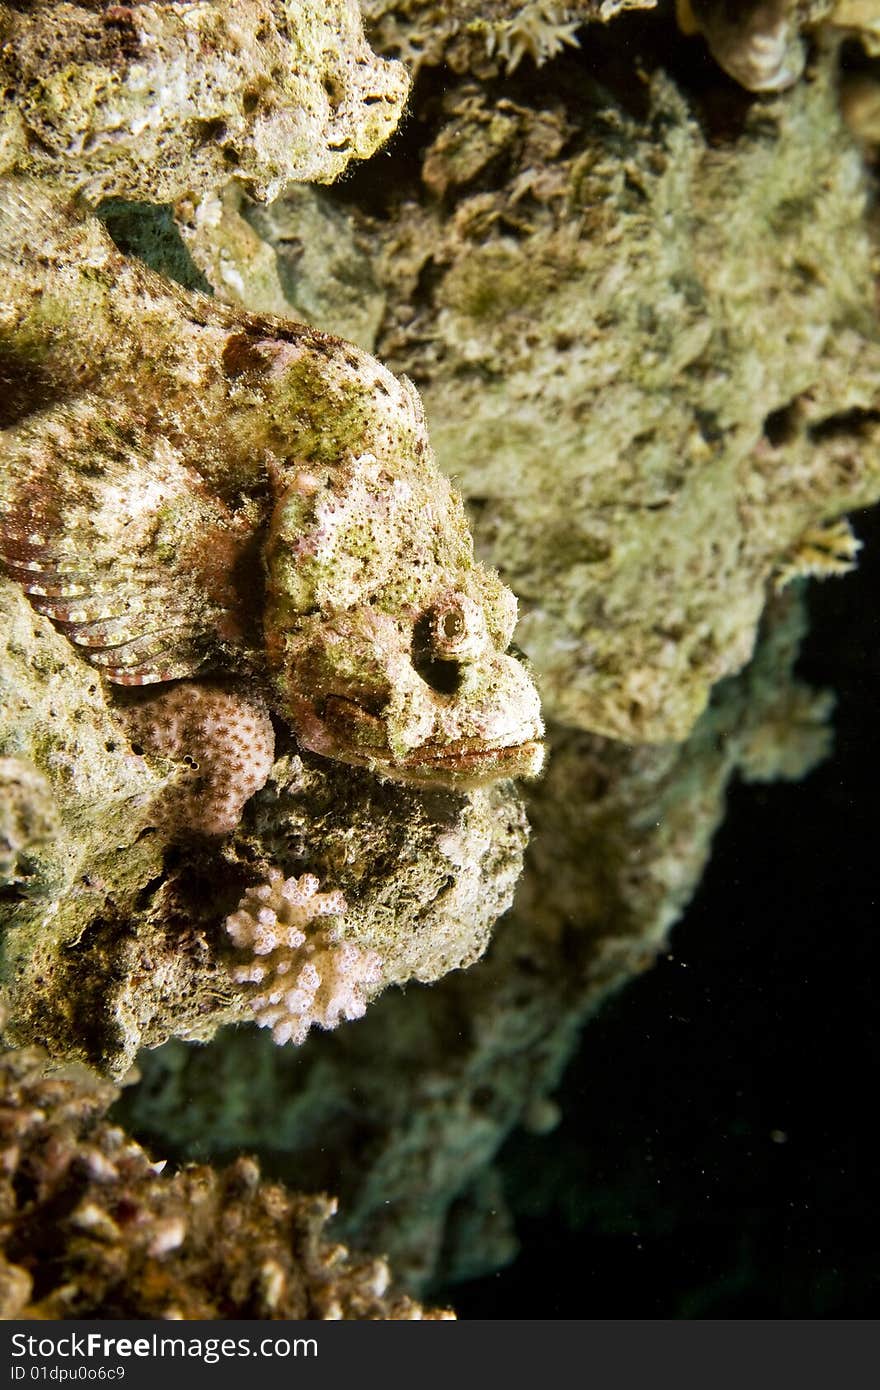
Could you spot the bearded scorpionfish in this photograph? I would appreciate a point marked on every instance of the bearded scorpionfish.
(188, 488)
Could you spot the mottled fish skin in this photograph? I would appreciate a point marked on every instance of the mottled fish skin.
(186, 487)
(757, 42)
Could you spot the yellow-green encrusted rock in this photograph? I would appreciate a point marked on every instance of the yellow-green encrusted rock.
(158, 101)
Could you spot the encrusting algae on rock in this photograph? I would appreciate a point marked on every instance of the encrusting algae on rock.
(118, 879)
(156, 102)
(237, 588)
(224, 746)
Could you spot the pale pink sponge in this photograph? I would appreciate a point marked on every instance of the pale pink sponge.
(304, 974)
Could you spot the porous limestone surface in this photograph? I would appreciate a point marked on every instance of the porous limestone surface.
(419, 1097)
(73, 788)
(686, 379)
(156, 101)
(297, 257)
(644, 332)
(649, 357)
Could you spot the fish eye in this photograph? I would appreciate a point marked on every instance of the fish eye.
(442, 674)
(448, 635)
(456, 627)
(452, 625)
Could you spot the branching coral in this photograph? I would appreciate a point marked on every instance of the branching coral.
(304, 975)
(827, 549)
(483, 36)
(91, 1227)
(158, 101)
(539, 30)
(223, 743)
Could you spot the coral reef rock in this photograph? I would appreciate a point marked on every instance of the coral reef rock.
(861, 19)
(638, 304)
(159, 102)
(296, 257)
(91, 1227)
(116, 874)
(483, 36)
(583, 298)
(420, 1096)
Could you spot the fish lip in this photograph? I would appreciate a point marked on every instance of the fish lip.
(461, 754)
(457, 764)
(467, 764)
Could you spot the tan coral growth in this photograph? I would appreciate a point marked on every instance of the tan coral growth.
(826, 549)
(158, 101)
(224, 745)
(303, 977)
(757, 44)
(484, 37)
(28, 821)
(91, 1227)
(539, 31)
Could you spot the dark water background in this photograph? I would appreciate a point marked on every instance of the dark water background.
(718, 1154)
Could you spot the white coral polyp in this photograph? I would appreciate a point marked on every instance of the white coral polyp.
(304, 975)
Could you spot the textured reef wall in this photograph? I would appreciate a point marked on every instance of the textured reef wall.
(157, 102)
(643, 445)
(420, 1096)
(116, 890)
(90, 1227)
(192, 492)
(638, 303)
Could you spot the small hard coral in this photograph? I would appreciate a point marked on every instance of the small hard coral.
(91, 1227)
(224, 744)
(826, 549)
(302, 978)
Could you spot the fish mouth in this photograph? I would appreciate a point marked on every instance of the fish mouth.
(454, 763)
(466, 764)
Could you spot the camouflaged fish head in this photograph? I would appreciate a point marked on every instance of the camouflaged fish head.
(187, 488)
(388, 642)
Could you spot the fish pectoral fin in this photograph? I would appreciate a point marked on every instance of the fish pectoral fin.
(133, 640)
(118, 542)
